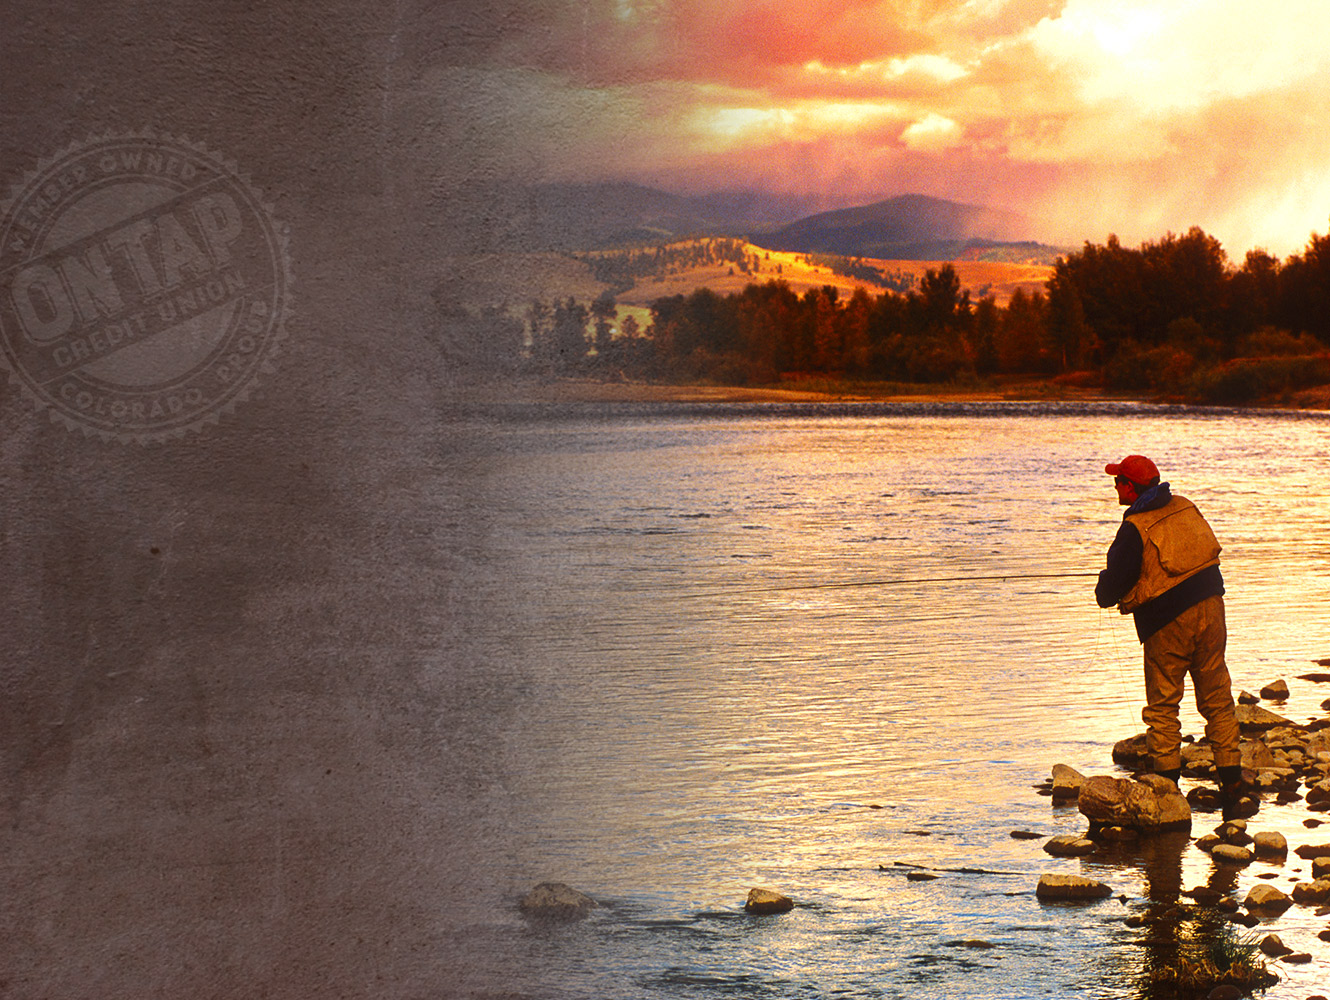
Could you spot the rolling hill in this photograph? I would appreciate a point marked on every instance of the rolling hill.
(584, 217)
(914, 227)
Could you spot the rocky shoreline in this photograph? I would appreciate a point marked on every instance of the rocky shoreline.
(1284, 763)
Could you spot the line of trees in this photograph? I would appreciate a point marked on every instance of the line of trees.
(622, 269)
(1171, 316)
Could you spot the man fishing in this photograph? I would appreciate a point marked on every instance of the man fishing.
(1163, 569)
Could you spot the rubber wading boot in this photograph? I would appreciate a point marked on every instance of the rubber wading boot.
(1230, 791)
(1172, 775)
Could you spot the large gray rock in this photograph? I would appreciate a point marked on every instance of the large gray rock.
(1070, 887)
(556, 901)
(1148, 805)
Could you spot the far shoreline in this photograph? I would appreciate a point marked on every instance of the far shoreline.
(587, 390)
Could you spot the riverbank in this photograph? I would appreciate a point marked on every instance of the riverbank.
(587, 390)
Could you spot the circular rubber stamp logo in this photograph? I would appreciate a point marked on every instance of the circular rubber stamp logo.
(144, 285)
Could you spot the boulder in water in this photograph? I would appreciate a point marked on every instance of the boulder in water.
(1276, 690)
(556, 901)
(1231, 853)
(1067, 782)
(1147, 806)
(1316, 893)
(1069, 845)
(1272, 944)
(766, 901)
(1070, 887)
(1271, 844)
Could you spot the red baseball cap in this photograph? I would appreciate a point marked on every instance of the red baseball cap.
(1137, 468)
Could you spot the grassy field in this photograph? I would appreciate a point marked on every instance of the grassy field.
(979, 277)
(513, 281)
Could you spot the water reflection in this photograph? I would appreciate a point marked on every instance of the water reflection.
(688, 730)
(1191, 938)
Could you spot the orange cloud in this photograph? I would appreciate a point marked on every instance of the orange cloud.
(1132, 116)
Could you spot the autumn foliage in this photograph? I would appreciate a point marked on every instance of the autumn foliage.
(1171, 317)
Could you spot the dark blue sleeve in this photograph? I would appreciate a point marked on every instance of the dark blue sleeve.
(1124, 566)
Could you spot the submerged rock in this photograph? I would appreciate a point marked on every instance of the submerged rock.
(1119, 834)
(766, 901)
(1148, 805)
(556, 901)
(1071, 887)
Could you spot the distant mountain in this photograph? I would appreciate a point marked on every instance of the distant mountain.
(909, 227)
(602, 216)
(573, 217)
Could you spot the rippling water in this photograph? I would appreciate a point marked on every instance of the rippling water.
(795, 647)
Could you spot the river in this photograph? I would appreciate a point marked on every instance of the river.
(806, 647)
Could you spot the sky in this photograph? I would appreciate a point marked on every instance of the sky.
(1132, 117)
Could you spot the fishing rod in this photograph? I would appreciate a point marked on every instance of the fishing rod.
(847, 584)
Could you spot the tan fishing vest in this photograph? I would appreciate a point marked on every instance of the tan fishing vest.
(1176, 544)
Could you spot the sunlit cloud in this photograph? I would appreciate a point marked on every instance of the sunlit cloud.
(1130, 116)
(804, 121)
(930, 66)
(1183, 55)
(933, 133)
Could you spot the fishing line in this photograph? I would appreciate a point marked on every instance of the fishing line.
(849, 584)
(1127, 699)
